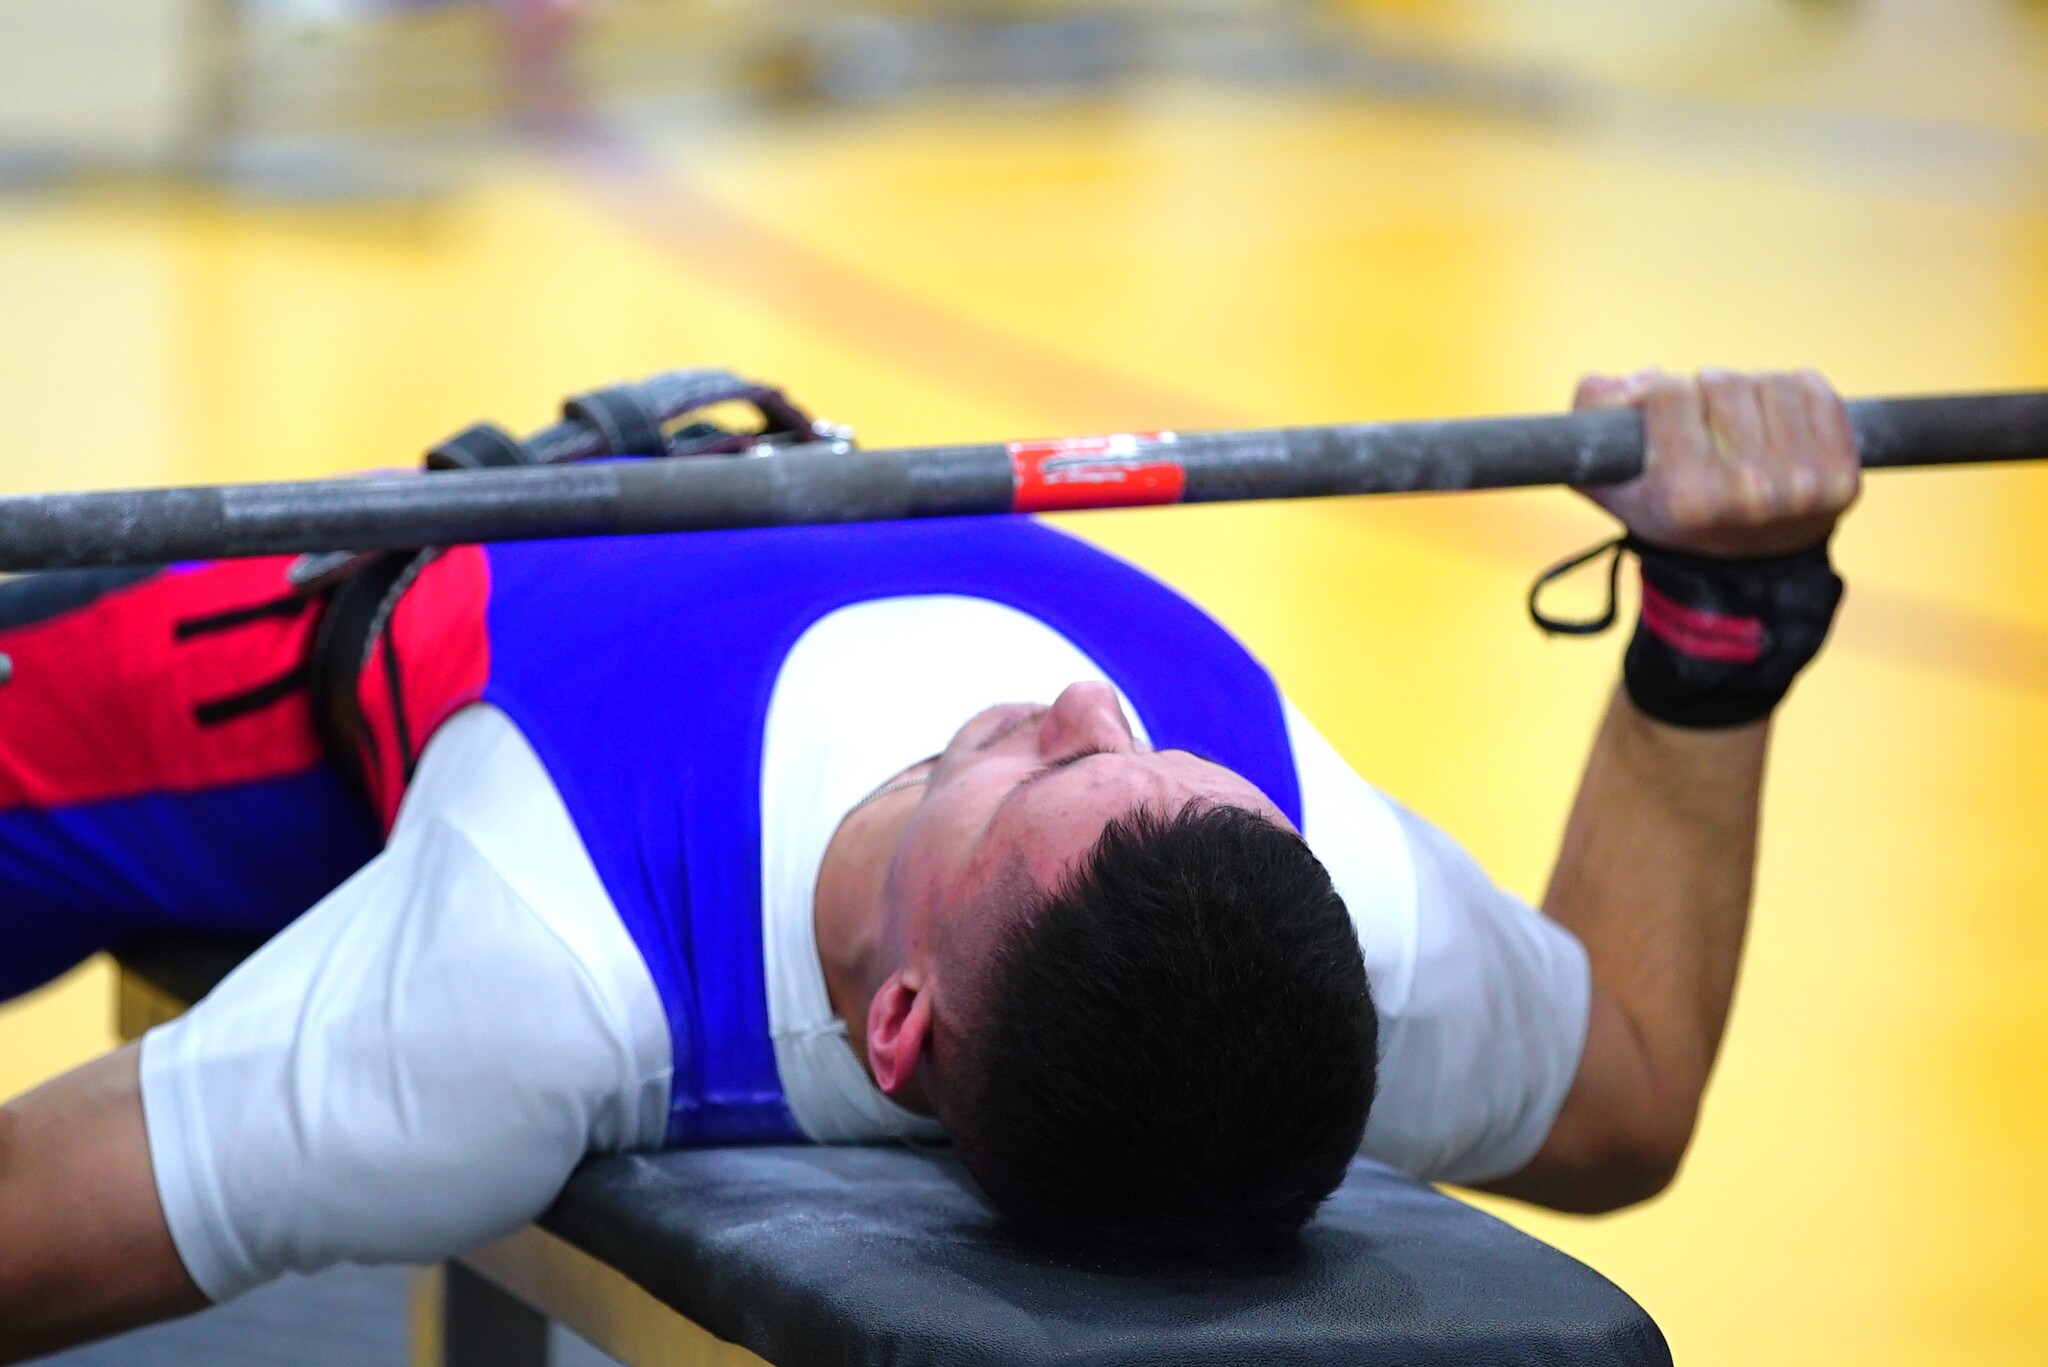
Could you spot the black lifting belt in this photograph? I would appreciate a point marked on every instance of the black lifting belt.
(621, 417)
(479, 446)
(361, 592)
(358, 611)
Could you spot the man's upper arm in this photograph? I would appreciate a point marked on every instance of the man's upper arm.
(417, 1063)
(1605, 1149)
(1475, 1074)
(1483, 1024)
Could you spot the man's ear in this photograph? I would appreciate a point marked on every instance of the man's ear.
(899, 1031)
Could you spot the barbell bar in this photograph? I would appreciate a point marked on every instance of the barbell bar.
(832, 482)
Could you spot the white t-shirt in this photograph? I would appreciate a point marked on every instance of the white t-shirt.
(416, 1065)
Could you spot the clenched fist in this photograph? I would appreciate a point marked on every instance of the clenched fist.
(1736, 465)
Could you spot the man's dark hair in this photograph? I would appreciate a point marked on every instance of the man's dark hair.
(1176, 1048)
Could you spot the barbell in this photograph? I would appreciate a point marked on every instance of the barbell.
(822, 478)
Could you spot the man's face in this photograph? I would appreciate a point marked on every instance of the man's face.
(1024, 791)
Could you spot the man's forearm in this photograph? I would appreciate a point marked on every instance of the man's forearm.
(1654, 877)
(84, 1249)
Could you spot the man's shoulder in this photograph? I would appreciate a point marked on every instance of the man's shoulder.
(1357, 833)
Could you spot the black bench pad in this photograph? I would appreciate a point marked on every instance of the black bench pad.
(881, 1257)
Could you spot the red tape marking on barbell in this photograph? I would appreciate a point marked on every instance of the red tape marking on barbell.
(1121, 471)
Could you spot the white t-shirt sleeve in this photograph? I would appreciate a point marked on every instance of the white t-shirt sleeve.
(1483, 1000)
(417, 1064)
(1472, 1074)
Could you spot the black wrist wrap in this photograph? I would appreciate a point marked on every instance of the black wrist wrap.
(1720, 641)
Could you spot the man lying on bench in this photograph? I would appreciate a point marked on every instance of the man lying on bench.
(736, 837)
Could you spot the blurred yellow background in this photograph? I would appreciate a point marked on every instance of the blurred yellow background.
(1491, 199)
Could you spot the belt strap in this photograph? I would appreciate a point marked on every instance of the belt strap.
(621, 418)
(479, 446)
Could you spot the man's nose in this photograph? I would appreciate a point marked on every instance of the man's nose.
(1085, 716)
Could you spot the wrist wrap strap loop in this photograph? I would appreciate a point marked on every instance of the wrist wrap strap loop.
(1583, 626)
(1720, 640)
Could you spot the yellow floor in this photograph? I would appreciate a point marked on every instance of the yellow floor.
(1773, 185)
